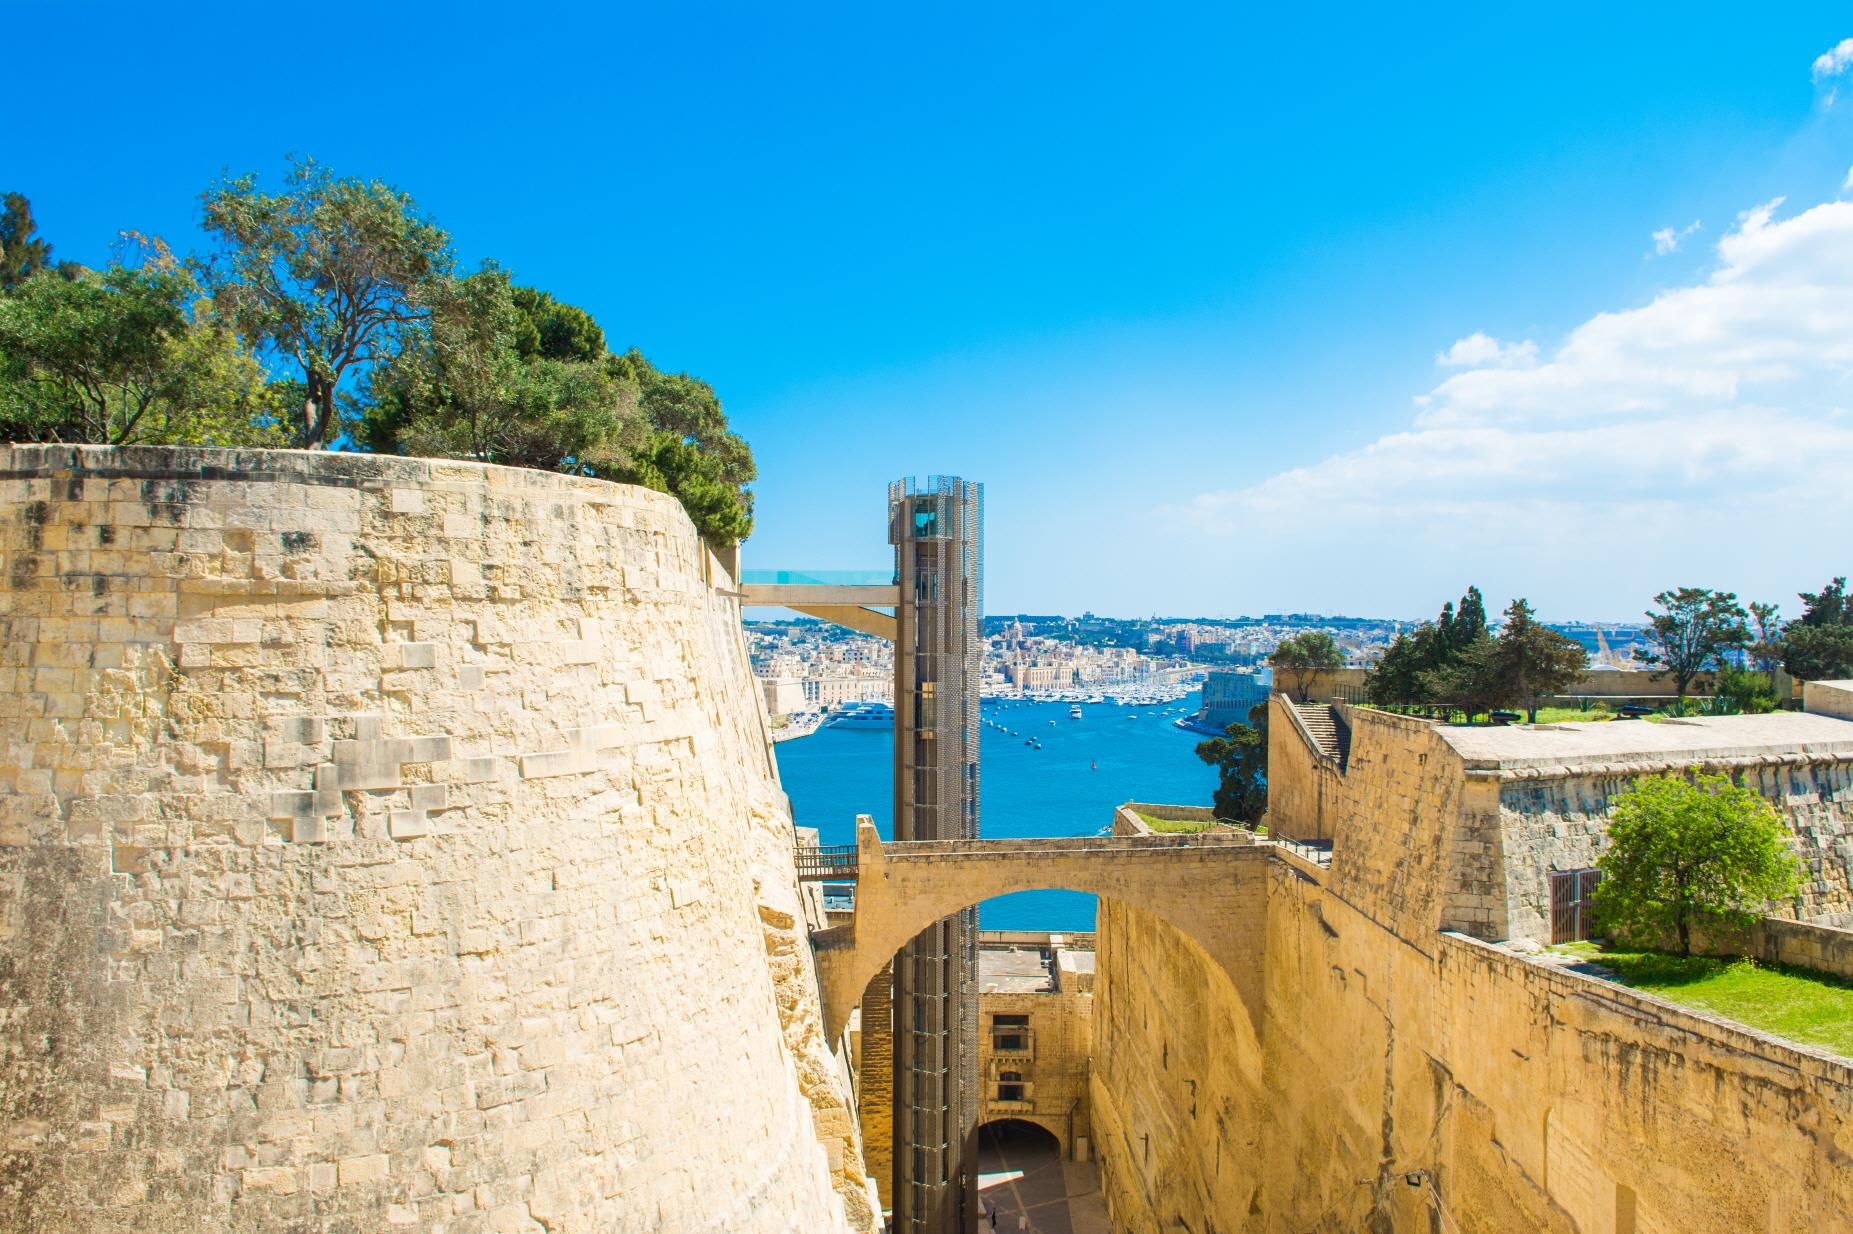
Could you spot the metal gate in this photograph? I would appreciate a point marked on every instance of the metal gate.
(1570, 893)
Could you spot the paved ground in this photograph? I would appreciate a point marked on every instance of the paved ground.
(1023, 1176)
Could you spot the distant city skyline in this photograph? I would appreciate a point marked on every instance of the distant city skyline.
(1228, 318)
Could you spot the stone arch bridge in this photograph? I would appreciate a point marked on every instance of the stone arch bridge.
(1210, 887)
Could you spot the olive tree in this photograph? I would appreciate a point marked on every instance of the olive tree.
(331, 272)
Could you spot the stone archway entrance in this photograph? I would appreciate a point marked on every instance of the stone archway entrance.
(1023, 1180)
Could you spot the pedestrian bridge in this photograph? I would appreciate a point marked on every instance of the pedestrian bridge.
(1212, 887)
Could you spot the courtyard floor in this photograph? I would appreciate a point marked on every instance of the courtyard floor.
(1021, 1176)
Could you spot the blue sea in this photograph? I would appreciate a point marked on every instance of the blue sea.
(1070, 787)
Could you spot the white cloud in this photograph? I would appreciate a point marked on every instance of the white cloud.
(1834, 61)
(1479, 350)
(1846, 185)
(1709, 426)
(1667, 240)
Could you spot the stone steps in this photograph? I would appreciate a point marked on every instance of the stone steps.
(1331, 734)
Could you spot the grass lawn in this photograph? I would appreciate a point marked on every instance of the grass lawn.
(1813, 1008)
(1184, 826)
(1558, 715)
(1174, 826)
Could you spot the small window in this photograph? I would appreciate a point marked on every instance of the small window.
(1010, 1086)
(1015, 1021)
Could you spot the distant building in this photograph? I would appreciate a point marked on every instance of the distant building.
(824, 692)
(1229, 694)
(784, 695)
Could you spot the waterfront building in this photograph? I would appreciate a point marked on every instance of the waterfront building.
(1229, 694)
(784, 695)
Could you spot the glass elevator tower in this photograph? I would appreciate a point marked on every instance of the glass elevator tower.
(937, 529)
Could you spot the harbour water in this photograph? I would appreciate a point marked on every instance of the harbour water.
(1069, 787)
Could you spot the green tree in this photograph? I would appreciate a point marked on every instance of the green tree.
(554, 330)
(1302, 655)
(1692, 632)
(331, 272)
(1685, 853)
(1469, 620)
(720, 508)
(1416, 658)
(1766, 647)
(1399, 675)
(1818, 645)
(460, 387)
(122, 357)
(1533, 661)
(22, 252)
(1240, 757)
(693, 453)
(1741, 692)
(1475, 677)
(509, 374)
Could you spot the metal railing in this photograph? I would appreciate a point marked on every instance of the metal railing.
(1318, 852)
(1440, 713)
(827, 863)
(1039, 846)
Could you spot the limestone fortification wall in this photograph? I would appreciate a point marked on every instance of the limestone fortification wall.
(1409, 1085)
(390, 844)
(1177, 1095)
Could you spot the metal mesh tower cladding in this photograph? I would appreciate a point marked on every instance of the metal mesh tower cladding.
(937, 529)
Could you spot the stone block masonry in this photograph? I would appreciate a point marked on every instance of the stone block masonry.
(1409, 1085)
(390, 844)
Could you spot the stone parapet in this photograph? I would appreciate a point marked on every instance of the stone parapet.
(1402, 1083)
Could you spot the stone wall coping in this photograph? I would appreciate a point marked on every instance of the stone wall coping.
(1730, 761)
(1815, 1063)
(1720, 739)
(1191, 814)
(337, 468)
(1359, 714)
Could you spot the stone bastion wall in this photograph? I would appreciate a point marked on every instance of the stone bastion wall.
(390, 844)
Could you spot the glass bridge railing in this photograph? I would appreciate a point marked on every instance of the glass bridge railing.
(819, 578)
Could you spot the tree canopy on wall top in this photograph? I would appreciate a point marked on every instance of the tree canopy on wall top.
(329, 314)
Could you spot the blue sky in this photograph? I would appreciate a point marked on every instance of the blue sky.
(1175, 282)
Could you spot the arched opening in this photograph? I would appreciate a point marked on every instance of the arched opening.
(896, 900)
(1205, 897)
(1019, 1173)
(1045, 908)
